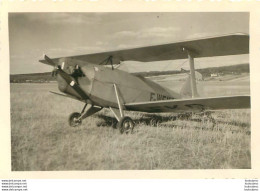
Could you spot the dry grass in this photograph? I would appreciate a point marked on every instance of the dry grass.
(42, 139)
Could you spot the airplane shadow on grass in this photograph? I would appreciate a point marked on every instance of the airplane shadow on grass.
(149, 119)
(163, 121)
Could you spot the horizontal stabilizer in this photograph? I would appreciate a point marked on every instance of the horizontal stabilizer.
(192, 104)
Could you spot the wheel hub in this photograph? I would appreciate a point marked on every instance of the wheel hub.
(74, 119)
(127, 125)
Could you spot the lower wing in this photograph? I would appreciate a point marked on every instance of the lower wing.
(192, 104)
(66, 95)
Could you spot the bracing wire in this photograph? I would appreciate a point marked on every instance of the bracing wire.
(176, 67)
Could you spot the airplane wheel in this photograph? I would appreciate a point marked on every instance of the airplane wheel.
(154, 122)
(126, 125)
(73, 119)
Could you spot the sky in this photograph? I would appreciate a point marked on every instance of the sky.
(66, 34)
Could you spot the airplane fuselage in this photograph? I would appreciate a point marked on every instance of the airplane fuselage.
(98, 84)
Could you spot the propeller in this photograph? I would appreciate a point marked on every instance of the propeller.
(67, 78)
(51, 62)
(55, 71)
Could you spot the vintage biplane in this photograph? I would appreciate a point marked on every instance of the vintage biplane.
(88, 79)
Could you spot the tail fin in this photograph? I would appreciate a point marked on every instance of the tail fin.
(186, 87)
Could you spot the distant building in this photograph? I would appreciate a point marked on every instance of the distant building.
(214, 75)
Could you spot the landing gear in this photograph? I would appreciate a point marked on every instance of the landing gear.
(155, 121)
(207, 117)
(75, 119)
(126, 125)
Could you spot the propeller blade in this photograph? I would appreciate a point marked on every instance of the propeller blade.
(49, 60)
(69, 80)
(73, 84)
(53, 73)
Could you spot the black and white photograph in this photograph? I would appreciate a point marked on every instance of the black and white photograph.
(129, 91)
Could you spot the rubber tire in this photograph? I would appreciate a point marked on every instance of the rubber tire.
(126, 125)
(154, 122)
(72, 119)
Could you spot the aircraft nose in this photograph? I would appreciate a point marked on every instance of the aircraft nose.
(67, 84)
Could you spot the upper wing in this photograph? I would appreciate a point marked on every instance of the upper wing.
(206, 47)
(177, 105)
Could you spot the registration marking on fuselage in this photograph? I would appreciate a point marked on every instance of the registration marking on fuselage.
(157, 97)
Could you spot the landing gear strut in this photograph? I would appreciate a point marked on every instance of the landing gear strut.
(125, 124)
(75, 119)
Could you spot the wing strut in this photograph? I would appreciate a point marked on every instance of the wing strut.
(109, 59)
(192, 73)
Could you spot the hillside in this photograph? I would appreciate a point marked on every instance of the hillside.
(234, 69)
(206, 72)
(36, 78)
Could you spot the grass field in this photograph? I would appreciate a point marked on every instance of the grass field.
(42, 139)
